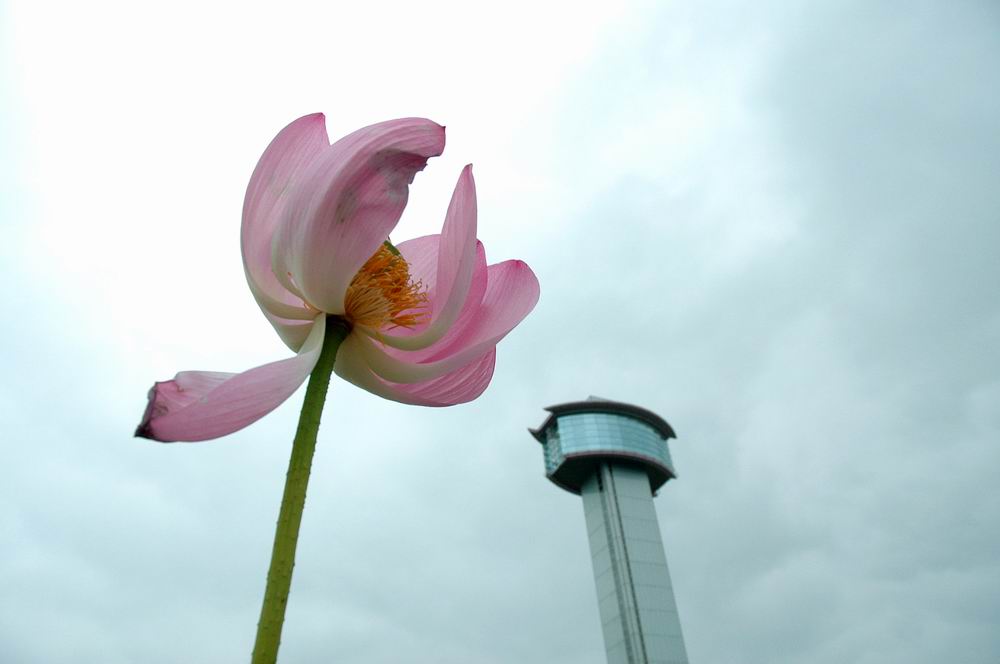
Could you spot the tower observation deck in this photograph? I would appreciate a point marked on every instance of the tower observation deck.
(615, 456)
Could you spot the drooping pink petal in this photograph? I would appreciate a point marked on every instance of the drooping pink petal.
(511, 293)
(273, 181)
(346, 205)
(454, 266)
(200, 405)
(459, 386)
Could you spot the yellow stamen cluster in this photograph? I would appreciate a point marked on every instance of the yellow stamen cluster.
(382, 294)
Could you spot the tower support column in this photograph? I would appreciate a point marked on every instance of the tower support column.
(635, 597)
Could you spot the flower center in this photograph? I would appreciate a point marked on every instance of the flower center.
(382, 294)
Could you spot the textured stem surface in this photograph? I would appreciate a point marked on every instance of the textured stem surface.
(286, 536)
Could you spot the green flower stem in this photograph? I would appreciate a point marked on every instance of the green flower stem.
(279, 576)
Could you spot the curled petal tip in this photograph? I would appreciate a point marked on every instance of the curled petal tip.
(145, 430)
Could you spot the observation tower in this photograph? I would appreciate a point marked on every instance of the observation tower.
(615, 456)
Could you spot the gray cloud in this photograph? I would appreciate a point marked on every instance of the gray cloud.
(778, 229)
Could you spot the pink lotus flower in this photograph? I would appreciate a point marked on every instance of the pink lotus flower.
(424, 317)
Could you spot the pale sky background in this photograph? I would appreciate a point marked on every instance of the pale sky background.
(775, 224)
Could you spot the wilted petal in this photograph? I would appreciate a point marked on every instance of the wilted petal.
(284, 161)
(459, 386)
(200, 405)
(511, 294)
(347, 204)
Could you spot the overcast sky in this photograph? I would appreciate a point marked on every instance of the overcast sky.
(776, 226)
